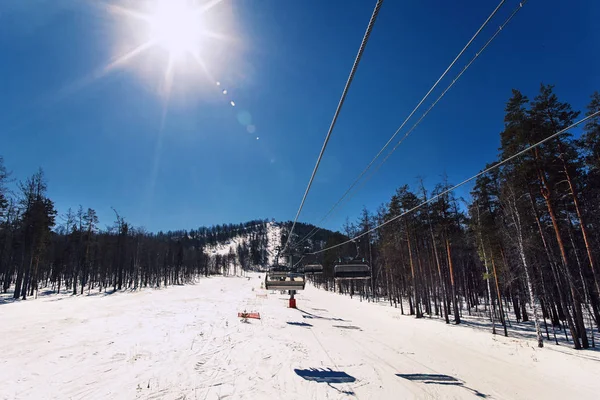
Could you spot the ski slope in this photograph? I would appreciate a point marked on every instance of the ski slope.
(273, 241)
(186, 342)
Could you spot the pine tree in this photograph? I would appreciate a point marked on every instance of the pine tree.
(38, 216)
(548, 115)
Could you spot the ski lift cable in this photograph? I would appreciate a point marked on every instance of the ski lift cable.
(485, 171)
(491, 39)
(337, 112)
(360, 176)
(298, 263)
(500, 28)
(314, 230)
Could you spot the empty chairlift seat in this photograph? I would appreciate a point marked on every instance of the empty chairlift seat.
(278, 274)
(278, 271)
(312, 269)
(289, 281)
(352, 270)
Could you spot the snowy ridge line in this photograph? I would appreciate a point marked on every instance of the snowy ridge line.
(206, 236)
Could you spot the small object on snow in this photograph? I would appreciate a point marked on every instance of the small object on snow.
(246, 315)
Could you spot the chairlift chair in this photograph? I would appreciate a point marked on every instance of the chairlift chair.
(355, 269)
(289, 281)
(313, 269)
(278, 274)
(278, 271)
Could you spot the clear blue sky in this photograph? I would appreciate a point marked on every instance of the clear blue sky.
(101, 142)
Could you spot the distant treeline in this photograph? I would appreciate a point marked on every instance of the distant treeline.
(75, 255)
(39, 249)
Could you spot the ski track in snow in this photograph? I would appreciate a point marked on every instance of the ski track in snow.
(186, 342)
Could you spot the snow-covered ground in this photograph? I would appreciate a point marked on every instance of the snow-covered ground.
(186, 342)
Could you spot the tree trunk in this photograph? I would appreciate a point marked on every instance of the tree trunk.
(487, 272)
(487, 280)
(454, 296)
(521, 247)
(442, 281)
(502, 318)
(582, 225)
(412, 271)
(545, 189)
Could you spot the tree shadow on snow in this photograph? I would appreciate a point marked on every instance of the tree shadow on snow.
(348, 327)
(304, 324)
(440, 379)
(47, 292)
(8, 300)
(575, 353)
(58, 299)
(526, 330)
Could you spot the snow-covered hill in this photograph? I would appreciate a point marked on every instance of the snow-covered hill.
(273, 237)
(186, 342)
(274, 231)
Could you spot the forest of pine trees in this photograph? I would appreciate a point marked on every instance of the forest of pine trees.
(525, 247)
(39, 249)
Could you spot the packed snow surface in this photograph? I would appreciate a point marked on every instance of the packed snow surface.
(186, 342)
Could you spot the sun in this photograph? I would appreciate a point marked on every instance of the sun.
(169, 37)
(176, 26)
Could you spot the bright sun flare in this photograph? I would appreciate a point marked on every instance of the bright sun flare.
(175, 26)
(178, 27)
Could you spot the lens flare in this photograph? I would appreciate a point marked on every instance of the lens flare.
(184, 33)
(176, 27)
